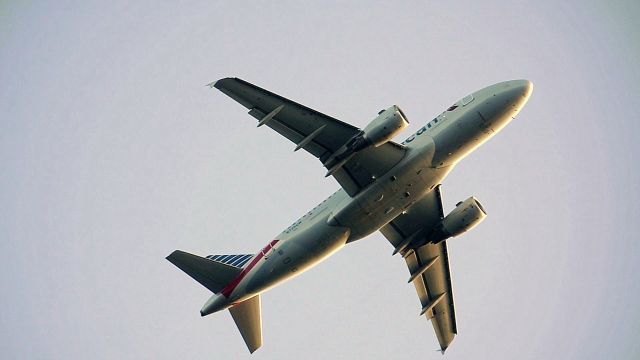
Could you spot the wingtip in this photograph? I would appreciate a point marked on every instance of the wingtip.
(219, 84)
(172, 255)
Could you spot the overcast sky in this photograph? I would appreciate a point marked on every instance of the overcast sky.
(114, 154)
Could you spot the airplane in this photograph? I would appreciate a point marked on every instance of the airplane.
(385, 186)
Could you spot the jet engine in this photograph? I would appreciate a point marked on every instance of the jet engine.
(464, 217)
(385, 126)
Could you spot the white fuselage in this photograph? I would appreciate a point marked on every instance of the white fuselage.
(431, 154)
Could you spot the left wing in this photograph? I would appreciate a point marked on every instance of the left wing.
(319, 134)
(428, 264)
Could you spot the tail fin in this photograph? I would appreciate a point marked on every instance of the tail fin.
(248, 318)
(211, 274)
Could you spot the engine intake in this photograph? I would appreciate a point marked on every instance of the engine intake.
(385, 126)
(467, 215)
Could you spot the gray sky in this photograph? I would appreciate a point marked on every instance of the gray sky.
(114, 154)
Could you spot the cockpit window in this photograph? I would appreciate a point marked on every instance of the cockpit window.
(452, 107)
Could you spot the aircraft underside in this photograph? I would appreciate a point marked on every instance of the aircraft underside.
(386, 186)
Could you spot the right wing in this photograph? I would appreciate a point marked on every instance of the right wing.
(319, 134)
(428, 264)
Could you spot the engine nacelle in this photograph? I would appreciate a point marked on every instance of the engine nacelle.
(382, 129)
(389, 123)
(467, 215)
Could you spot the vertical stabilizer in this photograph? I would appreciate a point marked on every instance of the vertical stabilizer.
(248, 318)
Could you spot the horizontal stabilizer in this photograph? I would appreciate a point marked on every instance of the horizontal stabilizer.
(248, 318)
(238, 261)
(211, 274)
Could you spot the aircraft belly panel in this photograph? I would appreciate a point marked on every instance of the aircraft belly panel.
(297, 255)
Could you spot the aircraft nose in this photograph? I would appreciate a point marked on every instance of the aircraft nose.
(521, 90)
(524, 86)
(516, 93)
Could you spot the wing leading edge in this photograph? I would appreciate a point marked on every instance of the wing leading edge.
(428, 264)
(319, 134)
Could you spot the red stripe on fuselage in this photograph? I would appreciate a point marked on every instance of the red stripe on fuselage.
(233, 284)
